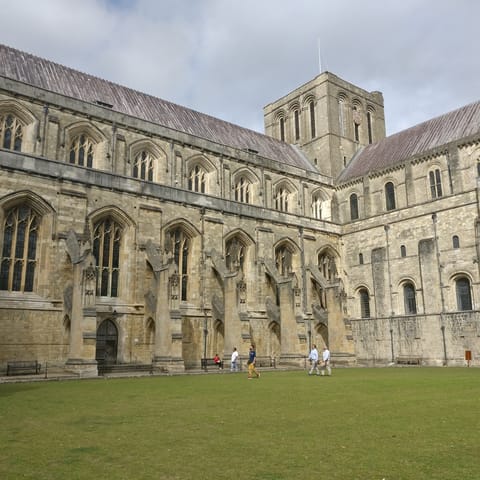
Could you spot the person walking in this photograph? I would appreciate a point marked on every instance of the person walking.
(313, 357)
(326, 361)
(252, 357)
(234, 360)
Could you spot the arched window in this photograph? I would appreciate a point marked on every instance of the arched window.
(327, 266)
(143, 166)
(403, 251)
(409, 299)
(341, 115)
(107, 235)
(20, 233)
(313, 128)
(369, 127)
(435, 183)
(353, 206)
(456, 241)
(235, 255)
(81, 151)
(242, 190)
(281, 198)
(317, 206)
(360, 258)
(11, 132)
(364, 303)
(283, 259)
(296, 124)
(180, 244)
(282, 128)
(197, 179)
(390, 196)
(464, 296)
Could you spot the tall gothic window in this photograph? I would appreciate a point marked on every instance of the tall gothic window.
(143, 166)
(11, 133)
(353, 206)
(390, 196)
(283, 260)
(409, 299)
(180, 247)
(317, 207)
(242, 190)
(464, 296)
(364, 303)
(369, 127)
(296, 124)
(81, 151)
(282, 128)
(107, 236)
(281, 198)
(341, 115)
(235, 255)
(435, 183)
(20, 232)
(327, 266)
(313, 128)
(197, 179)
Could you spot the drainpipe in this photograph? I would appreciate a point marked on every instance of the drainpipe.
(442, 299)
(392, 313)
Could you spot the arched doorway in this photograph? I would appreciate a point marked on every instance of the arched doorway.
(107, 342)
(218, 337)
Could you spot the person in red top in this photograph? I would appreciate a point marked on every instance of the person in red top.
(217, 361)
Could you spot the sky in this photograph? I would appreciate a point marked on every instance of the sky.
(230, 58)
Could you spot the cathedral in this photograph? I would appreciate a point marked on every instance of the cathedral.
(135, 231)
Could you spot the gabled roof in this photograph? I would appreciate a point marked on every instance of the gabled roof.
(54, 77)
(420, 139)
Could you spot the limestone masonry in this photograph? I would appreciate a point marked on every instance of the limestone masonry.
(134, 231)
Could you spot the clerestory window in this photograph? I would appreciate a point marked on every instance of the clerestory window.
(242, 190)
(81, 151)
(197, 179)
(11, 132)
(143, 166)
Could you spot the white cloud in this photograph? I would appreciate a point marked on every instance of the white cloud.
(229, 58)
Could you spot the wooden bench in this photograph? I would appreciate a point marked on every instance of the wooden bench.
(407, 360)
(265, 362)
(23, 367)
(210, 362)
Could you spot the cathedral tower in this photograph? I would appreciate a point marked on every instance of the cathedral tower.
(329, 119)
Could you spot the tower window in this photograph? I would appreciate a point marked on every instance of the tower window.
(435, 183)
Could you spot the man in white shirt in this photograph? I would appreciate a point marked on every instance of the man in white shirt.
(234, 360)
(326, 361)
(313, 357)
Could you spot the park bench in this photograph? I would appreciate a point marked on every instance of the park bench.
(408, 360)
(265, 362)
(210, 362)
(23, 367)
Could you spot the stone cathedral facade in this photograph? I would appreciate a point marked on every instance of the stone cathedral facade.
(137, 231)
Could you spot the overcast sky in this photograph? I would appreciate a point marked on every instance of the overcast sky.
(229, 58)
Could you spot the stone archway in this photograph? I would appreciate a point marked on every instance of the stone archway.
(320, 335)
(274, 341)
(218, 337)
(107, 342)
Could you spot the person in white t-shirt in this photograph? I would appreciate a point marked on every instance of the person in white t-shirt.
(234, 360)
(313, 357)
(326, 361)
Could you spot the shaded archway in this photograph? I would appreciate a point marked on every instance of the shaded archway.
(320, 335)
(274, 339)
(107, 342)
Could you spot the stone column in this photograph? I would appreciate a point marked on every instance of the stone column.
(168, 323)
(83, 318)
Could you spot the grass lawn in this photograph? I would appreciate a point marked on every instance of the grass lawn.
(366, 424)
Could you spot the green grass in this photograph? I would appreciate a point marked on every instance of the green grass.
(366, 424)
